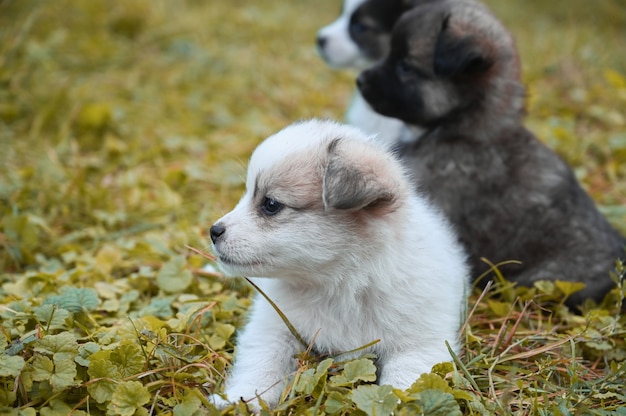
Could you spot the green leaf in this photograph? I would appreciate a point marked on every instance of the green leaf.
(499, 308)
(58, 407)
(129, 358)
(221, 334)
(7, 399)
(127, 398)
(22, 233)
(569, 288)
(107, 258)
(64, 374)
(600, 345)
(10, 366)
(438, 403)
(159, 307)
(430, 381)
(173, 277)
(545, 286)
(102, 390)
(442, 369)
(61, 346)
(189, 406)
(353, 371)
(311, 378)
(375, 400)
(150, 323)
(75, 299)
(60, 373)
(42, 368)
(409, 409)
(463, 395)
(85, 351)
(337, 402)
(51, 315)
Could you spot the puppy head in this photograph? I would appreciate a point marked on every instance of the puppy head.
(360, 36)
(446, 58)
(335, 44)
(315, 191)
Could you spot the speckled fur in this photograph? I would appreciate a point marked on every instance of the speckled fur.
(453, 70)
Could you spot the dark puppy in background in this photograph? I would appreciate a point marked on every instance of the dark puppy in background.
(358, 39)
(453, 70)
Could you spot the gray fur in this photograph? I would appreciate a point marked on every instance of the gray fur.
(350, 186)
(453, 69)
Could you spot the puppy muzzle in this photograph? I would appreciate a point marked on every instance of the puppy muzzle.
(217, 231)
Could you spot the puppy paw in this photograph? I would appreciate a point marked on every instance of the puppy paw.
(221, 403)
(218, 401)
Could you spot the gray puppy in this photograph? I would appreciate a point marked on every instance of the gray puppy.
(454, 71)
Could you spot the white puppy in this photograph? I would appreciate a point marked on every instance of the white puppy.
(339, 49)
(329, 217)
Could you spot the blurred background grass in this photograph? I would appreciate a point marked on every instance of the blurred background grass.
(118, 118)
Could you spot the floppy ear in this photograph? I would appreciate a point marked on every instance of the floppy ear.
(460, 55)
(355, 179)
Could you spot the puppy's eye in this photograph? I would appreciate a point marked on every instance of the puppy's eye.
(404, 68)
(358, 28)
(271, 206)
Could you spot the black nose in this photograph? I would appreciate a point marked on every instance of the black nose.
(217, 231)
(321, 41)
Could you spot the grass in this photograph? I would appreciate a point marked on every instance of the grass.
(124, 131)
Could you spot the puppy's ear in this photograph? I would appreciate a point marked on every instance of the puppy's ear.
(460, 55)
(356, 178)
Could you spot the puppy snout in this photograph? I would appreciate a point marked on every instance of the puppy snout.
(216, 231)
(321, 41)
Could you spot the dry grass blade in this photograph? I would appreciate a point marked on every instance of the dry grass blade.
(292, 329)
(201, 253)
(462, 366)
(534, 352)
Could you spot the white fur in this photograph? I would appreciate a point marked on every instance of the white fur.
(340, 51)
(361, 115)
(355, 275)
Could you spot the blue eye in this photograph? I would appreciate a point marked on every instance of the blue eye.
(271, 206)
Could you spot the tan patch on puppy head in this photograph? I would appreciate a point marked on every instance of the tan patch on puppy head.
(358, 177)
(295, 182)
